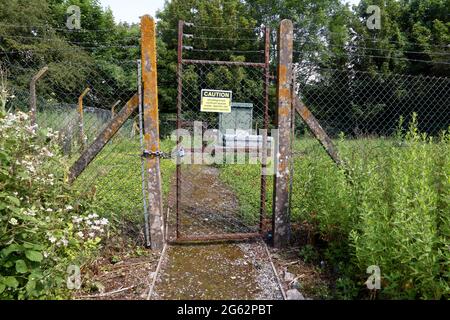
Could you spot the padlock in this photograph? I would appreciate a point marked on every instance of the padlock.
(181, 152)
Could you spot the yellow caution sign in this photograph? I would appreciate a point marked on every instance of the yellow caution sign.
(216, 101)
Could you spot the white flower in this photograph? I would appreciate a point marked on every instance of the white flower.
(64, 242)
(76, 219)
(13, 221)
(91, 234)
(80, 234)
(30, 212)
(104, 221)
(49, 210)
(46, 152)
(52, 239)
(69, 207)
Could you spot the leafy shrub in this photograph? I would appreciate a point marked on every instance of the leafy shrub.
(390, 210)
(45, 226)
(309, 254)
(404, 221)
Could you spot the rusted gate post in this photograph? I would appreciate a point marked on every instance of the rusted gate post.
(81, 118)
(151, 129)
(262, 209)
(179, 104)
(281, 224)
(36, 77)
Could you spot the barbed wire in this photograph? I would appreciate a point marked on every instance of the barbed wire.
(381, 57)
(50, 27)
(379, 74)
(344, 46)
(226, 39)
(226, 51)
(123, 39)
(357, 36)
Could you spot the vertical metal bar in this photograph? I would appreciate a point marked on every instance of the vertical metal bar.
(35, 78)
(281, 225)
(262, 212)
(151, 127)
(179, 104)
(141, 141)
(81, 118)
(291, 149)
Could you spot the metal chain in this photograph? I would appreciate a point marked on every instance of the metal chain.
(156, 154)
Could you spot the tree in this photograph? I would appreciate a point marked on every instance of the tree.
(34, 33)
(220, 28)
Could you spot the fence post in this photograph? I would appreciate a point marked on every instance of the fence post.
(151, 130)
(281, 224)
(35, 78)
(81, 118)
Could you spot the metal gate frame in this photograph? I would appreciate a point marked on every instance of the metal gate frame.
(265, 66)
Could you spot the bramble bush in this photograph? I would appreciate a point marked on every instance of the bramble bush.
(44, 225)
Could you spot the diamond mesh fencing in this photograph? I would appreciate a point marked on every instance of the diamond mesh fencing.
(207, 205)
(366, 115)
(362, 104)
(114, 177)
(363, 109)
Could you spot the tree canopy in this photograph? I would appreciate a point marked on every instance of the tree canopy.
(414, 39)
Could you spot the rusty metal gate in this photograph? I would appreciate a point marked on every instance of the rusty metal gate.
(209, 205)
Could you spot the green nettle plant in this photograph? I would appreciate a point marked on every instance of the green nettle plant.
(404, 227)
(44, 226)
(391, 210)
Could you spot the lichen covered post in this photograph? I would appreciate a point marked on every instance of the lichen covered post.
(281, 225)
(151, 130)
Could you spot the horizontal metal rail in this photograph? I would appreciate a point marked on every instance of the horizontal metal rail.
(226, 63)
(217, 237)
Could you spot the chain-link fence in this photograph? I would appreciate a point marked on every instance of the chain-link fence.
(359, 107)
(363, 104)
(107, 75)
(377, 123)
(207, 203)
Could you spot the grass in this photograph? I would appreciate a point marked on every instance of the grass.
(390, 209)
(115, 177)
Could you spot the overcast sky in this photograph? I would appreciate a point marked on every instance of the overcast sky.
(131, 10)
